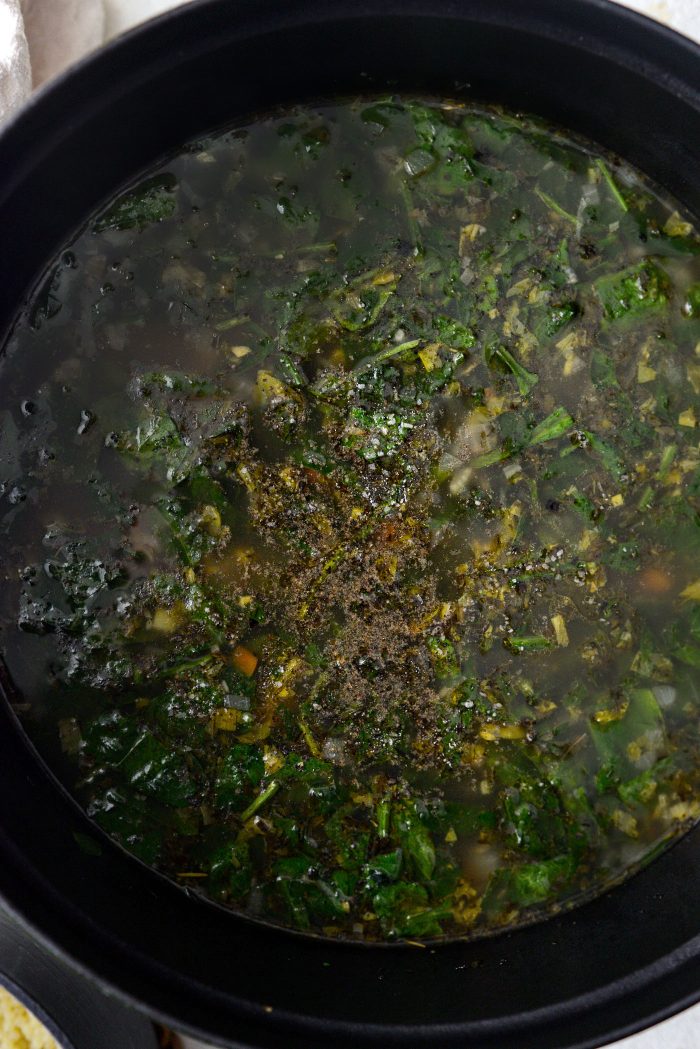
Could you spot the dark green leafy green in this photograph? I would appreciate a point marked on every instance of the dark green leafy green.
(151, 201)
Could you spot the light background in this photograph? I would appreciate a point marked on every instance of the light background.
(683, 15)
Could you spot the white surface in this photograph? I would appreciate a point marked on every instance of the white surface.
(683, 15)
(123, 14)
(15, 74)
(60, 31)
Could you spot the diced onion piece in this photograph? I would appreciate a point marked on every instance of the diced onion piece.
(210, 519)
(694, 376)
(665, 695)
(430, 356)
(573, 364)
(468, 235)
(460, 480)
(560, 631)
(675, 226)
(165, 621)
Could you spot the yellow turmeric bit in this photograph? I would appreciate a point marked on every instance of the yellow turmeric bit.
(165, 620)
(430, 356)
(692, 591)
(560, 631)
(494, 732)
(225, 720)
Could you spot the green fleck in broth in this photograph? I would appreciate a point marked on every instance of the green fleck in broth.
(351, 518)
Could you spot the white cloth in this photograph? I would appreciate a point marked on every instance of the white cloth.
(15, 71)
(39, 38)
(61, 31)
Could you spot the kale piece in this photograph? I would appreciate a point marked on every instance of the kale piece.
(151, 201)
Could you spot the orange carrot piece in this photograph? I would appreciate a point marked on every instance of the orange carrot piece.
(655, 580)
(244, 660)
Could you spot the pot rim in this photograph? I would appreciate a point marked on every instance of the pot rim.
(674, 977)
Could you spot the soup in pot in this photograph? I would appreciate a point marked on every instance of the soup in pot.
(351, 517)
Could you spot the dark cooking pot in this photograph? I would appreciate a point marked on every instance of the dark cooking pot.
(77, 1016)
(622, 961)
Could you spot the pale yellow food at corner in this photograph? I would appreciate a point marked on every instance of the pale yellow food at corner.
(20, 1029)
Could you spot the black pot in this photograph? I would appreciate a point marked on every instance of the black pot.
(77, 1015)
(605, 969)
